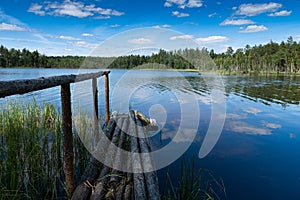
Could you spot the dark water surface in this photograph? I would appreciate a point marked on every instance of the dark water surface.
(258, 153)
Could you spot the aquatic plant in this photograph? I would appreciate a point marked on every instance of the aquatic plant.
(31, 152)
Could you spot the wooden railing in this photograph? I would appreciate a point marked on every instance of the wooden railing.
(8, 88)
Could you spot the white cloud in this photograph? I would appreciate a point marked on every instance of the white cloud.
(194, 4)
(102, 17)
(70, 8)
(85, 44)
(140, 41)
(254, 29)
(167, 4)
(87, 35)
(252, 110)
(36, 9)
(184, 3)
(184, 37)
(179, 14)
(68, 38)
(162, 26)
(212, 39)
(257, 9)
(11, 27)
(237, 22)
(271, 125)
(212, 15)
(242, 127)
(282, 13)
(115, 25)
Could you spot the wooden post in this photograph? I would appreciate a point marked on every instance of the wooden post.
(68, 138)
(96, 113)
(107, 97)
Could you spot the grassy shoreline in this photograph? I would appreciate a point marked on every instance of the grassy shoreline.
(31, 152)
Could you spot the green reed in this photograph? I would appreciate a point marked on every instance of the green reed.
(192, 184)
(31, 152)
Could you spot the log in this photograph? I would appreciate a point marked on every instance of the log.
(106, 80)
(90, 174)
(93, 170)
(151, 180)
(82, 192)
(99, 192)
(68, 138)
(138, 178)
(103, 178)
(128, 194)
(119, 160)
(120, 189)
(96, 113)
(8, 88)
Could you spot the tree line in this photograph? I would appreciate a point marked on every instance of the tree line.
(271, 57)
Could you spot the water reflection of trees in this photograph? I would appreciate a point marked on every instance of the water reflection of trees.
(281, 90)
(266, 89)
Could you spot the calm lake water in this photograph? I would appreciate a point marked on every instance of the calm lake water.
(258, 153)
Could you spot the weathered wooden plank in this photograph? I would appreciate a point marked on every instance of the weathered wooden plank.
(8, 88)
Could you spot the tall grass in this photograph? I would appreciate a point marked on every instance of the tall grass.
(192, 184)
(31, 152)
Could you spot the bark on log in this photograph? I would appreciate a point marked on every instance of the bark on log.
(120, 189)
(68, 138)
(138, 178)
(119, 159)
(151, 181)
(128, 193)
(8, 88)
(99, 192)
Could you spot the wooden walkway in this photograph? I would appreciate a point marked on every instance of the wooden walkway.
(102, 182)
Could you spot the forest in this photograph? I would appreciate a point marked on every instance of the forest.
(270, 57)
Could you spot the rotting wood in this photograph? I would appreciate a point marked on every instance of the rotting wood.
(8, 88)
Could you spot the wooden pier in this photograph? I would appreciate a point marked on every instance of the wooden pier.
(102, 182)
(14, 87)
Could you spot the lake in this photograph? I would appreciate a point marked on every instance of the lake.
(257, 154)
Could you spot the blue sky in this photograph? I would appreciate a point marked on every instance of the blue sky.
(77, 27)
